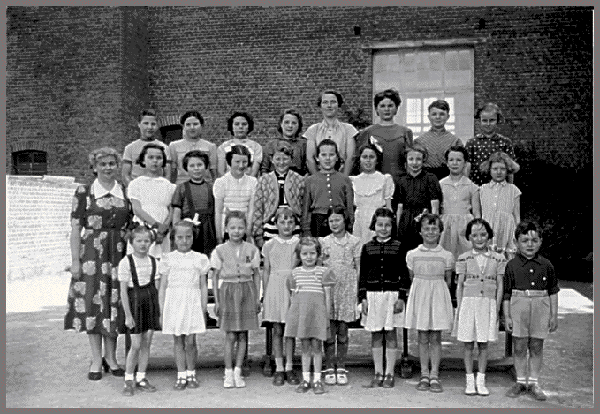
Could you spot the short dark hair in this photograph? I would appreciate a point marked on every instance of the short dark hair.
(338, 210)
(338, 96)
(525, 227)
(146, 112)
(417, 147)
(190, 114)
(384, 212)
(457, 148)
(378, 154)
(290, 111)
(246, 115)
(238, 150)
(140, 159)
(195, 154)
(308, 241)
(330, 143)
(432, 219)
(482, 222)
(490, 107)
(390, 94)
(439, 104)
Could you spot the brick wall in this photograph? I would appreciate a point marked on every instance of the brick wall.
(38, 225)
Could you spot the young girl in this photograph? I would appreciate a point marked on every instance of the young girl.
(290, 127)
(372, 190)
(307, 317)
(341, 253)
(479, 294)
(139, 295)
(183, 301)
(194, 201)
(151, 195)
(324, 190)
(235, 190)
(236, 282)
(429, 307)
(461, 202)
(278, 188)
(500, 203)
(379, 292)
(279, 259)
(239, 125)
(484, 144)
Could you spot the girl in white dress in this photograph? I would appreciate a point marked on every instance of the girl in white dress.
(183, 299)
(372, 190)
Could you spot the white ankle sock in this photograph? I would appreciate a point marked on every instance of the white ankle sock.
(140, 376)
(306, 376)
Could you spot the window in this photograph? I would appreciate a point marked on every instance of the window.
(30, 162)
(423, 75)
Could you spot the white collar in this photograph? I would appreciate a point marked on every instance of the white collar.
(486, 254)
(100, 191)
(437, 248)
(494, 184)
(288, 241)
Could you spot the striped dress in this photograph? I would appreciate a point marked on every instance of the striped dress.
(236, 194)
(307, 316)
(498, 201)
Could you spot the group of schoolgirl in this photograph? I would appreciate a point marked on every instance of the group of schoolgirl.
(312, 284)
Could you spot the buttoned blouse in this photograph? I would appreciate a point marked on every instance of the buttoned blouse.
(530, 274)
(325, 191)
(480, 281)
(236, 262)
(458, 195)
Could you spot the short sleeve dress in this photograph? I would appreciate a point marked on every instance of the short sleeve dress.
(182, 314)
(94, 302)
(498, 201)
(342, 256)
(281, 256)
(371, 191)
(429, 306)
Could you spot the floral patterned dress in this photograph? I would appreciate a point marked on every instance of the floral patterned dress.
(94, 303)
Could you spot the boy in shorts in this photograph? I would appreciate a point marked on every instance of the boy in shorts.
(530, 307)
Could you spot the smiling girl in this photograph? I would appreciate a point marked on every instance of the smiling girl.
(240, 125)
(289, 126)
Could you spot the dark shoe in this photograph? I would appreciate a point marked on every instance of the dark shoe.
(435, 385)
(117, 372)
(94, 376)
(180, 385)
(389, 381)
(318, 387)
(303, 387)
(423, 384)
(376, 382)
(246, 369)
(292, 378)
(128, 389)
(267, 367)
(516, 390)
(145, 385)
(279, 378)
(192, 382)
(537, 392)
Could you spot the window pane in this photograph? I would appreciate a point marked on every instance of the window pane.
(413, 111)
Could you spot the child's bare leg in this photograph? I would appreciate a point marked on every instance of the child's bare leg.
(342, 344)
(317, 346)
(435, 352)
(377, 348)
(146, 341)
(306, 358)
(536, 348)
(289, 352)
(468, 357)
(96, 347)
(483, 357)
(190, 352)
(179, 350)
(520, 358)
(230, 339)
(242, 340)
(278, 346)
(391, 347)
(132, 356)
(110, 350)
(424, 352)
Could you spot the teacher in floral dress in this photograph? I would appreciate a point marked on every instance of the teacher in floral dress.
(99, 219)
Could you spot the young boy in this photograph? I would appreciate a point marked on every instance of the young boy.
(438, 140)
(484, 144)
(148, 126)
(530, 307)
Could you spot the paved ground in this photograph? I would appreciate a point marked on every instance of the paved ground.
(46, 366)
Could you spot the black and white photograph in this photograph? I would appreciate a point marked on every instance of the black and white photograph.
(303, 206)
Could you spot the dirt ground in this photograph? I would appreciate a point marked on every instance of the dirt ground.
(47, 367)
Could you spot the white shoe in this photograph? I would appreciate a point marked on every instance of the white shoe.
(228, 381)
(481, 388)
(470, 388)
(238, 379)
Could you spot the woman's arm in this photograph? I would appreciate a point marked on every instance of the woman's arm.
(75, 242)
(141, 213)
(176, 214)
(126, 172)
(350, 148)
(204, 293)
